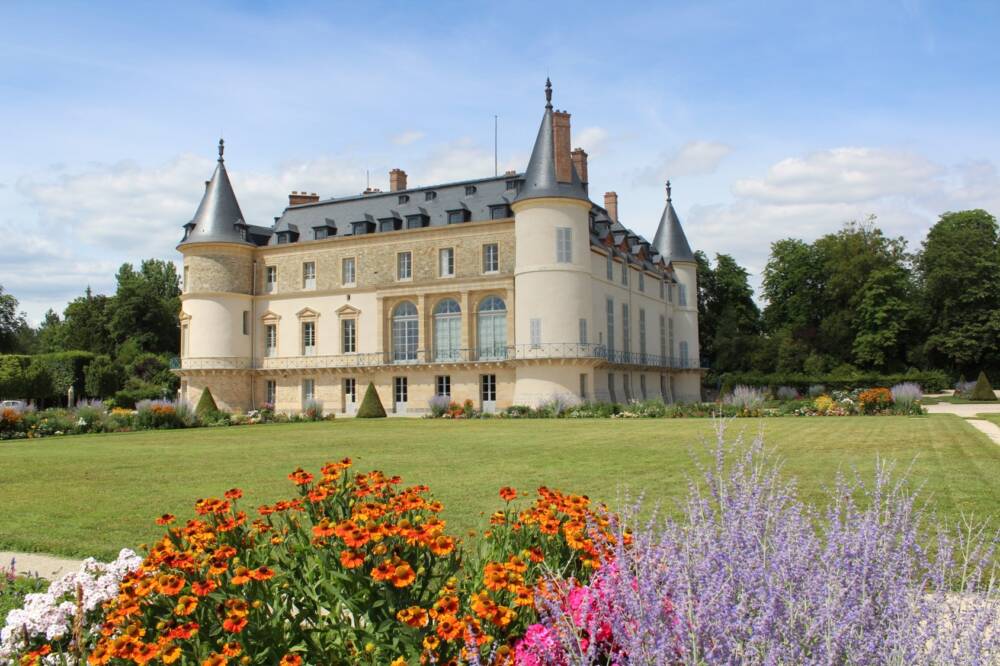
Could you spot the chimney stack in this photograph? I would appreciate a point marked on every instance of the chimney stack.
(397, 180)
(561, 146)
(611, 205)
(579, 156)
(299, 198)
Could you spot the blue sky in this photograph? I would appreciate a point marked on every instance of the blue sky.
(772, 119)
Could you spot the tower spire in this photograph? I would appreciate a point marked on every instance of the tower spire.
(548, 93)
(222, 148)
(668, 191)
(670, 241)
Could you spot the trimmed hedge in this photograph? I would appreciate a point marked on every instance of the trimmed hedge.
(371, 406)
(931, 381)
(983, 390)
(44, 376)
(206, 404)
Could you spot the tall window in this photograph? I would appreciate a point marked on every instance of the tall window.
(447, 330)
(446, 261)
(488, 388)
(308, 338)
(491, 328)
(271, 340)
(642, 386)
(663, 336)
(627, 386)
(187, 283)
(611, 266)
(404, 266)
(405, 332)
(626, 330)
(564, 245)
(350, 390)
(661, 289)
(642, 281)
(270, 392)
(400, 390)
(611, 325)
(625, 272)
(308, 390)
(611, 387)
(347, 274)
(682, 295)
(442, 385)
(309, 275)
(246, 322)
(670, 337)
(642, 333)
(271, 279)
(583, 386)
(536, 333)
(491, 258)
(670, 293)
(348, 336)
(583, 331)
(684, 353)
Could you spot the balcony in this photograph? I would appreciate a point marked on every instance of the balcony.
(596, 354)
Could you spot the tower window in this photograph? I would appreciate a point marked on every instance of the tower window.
(564, 245)
(536, 333)
(682, 295)
(246, 322)
(271, 279)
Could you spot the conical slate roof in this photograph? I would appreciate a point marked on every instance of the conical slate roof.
(670, 240)
(540, 176)
(219, 218)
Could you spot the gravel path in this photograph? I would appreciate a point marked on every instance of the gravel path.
(45, 566)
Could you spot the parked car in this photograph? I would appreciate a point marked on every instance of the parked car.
(13, 404)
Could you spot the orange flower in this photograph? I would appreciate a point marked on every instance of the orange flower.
(185, 631)
(237, 607)
(523, 596)
(170, 654)
(351, 559)
(232, 649)
(431, 642)
(403, 575)
(536, 554)
(290, 660)
(414, 616)
(203, 587)
(171, 584)
(398, 661)
(145, 653)
(383, 571)
(240, 576)
(442, 545)
(507, 493)
(186, 605)
(262, 573)
(215, 659)
(449, 627)
(324, 529)
(234, 493)
(447, 604)
(300, 477)
(166, 519)
(234, 624)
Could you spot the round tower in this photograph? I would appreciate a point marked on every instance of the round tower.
(552, 271)
(217, 318)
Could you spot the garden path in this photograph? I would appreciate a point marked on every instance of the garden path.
(46, 566)
(968, 412)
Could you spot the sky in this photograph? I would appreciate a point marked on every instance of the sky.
(772, 119)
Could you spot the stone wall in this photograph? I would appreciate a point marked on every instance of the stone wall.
(217, 269)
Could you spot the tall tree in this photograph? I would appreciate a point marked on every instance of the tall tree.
(12, 324)
(729, 326)
(960, 270)
(85, 325)
(145, 307)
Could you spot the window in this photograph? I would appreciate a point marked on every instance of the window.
(611, 387)
(246, 322)
(642, 281)
(670, 337)
(447, 330)
(348, 336)
(430, 196)
(446, 261)
(491, 258)
(536, 333)
(682, 295)
(404, 266)
(511, 184)
(611, 267)
(625, 272)
(271, 340)
(405, 332)
(488, 388)
(417, 221)
(670, 293)
(470, 190)
(442, 385)
(661, 289)
(185, 330)
(583, 386)
(663, 336)
(271, 279)
(685, 361)
(583, 331)
(400, 390)
(564, 245)
(626, 342)
(404, 198)
(491, 328)
(347, 274)
(458, 216)
(350, 390)
(309, 275)
(627, 386)
(611, 325)
(187, 278)
(270, 392)
(642, 333)
(308, 390)
(499, 212)
(663, 388)
(642, 386)
(308, 338)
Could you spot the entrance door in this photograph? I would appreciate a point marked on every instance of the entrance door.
(350, 395)
(399, 394)
(488, 393)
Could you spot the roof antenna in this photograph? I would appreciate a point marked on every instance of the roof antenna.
(222, 148)
(668, 190)
(496, 123)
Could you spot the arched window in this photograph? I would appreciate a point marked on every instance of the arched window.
(491, 325)
(405, 332)
(447, 330)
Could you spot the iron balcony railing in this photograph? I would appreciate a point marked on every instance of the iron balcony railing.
(543, 351)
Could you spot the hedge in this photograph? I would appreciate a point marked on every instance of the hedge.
(931, 381)
(982, 389)
(44, 376)
(371, 406)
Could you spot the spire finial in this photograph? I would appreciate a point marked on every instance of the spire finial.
(548, 93)
(222, 148)
(668, 190)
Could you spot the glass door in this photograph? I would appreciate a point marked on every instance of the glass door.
(350, 395)
(488, 393)
(399, 394)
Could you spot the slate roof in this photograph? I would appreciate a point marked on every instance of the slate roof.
(670, 240)
(218, 218)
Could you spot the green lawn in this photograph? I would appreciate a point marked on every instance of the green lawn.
(995, 418)
(956, 401)
(91, 495)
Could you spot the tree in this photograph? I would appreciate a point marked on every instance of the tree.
(12, 323)
(85, 324)
(371, 406)
(145, 307)
(959, 268)
(51, 334)
(102, 378)
(729, 319)
(884, 318)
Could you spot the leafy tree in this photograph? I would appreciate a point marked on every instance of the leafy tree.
(51, 334)
(102, 378)
(85, 324)
(145, 307)
(959, 267)
(12, 324)
(884, 318)
(371, 405)
(729, 319)
(12, 379)
(792, 281)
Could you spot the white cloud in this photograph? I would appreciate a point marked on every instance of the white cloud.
(407, 137)
(694, 158)
(592, 139)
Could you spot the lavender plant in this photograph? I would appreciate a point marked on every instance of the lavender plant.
(752, 575)
(438, 405)
(786, 393)
(747, 398)
(907, 394)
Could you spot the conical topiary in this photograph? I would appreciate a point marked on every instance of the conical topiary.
(371, 406)
(983, 390)
(206, 404)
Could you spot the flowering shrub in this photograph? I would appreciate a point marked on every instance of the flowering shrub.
(875, 400)
(748, 399)
(786, 393)
(65, 618)
(312, 410)
(438, 406)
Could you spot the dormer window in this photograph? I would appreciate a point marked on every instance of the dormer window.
(430, 196)
(470, 190)
(320, 233)
(283, 238)
(389, 224)
(499, 212)
(512, 184)
(459, 216)
(404, 198)
(417, 221)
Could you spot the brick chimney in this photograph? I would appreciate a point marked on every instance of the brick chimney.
(397, 180)
(299, 198)
(579, 156)
(561, 146)
(611, 205)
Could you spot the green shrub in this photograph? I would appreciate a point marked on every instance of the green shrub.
(312, 410)
(128, 398)
(844, 377)
(101, 378)
(371, 406)
(206, 405)
(982, 390)
(157, 414)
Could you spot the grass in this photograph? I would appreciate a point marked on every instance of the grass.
(93, 494)
(994, 417)
(955, 401)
